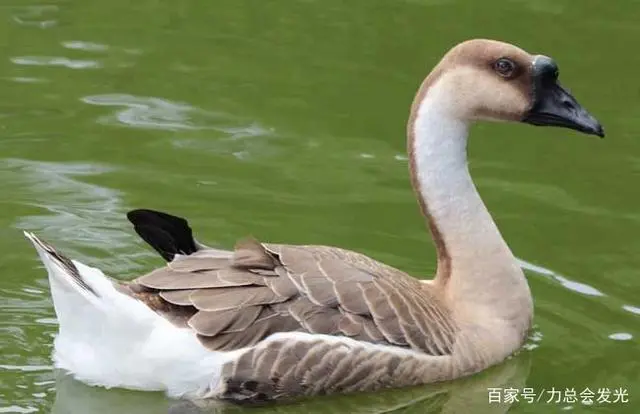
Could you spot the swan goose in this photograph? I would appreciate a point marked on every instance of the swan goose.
(268, 321)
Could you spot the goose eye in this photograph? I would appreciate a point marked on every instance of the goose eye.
(505, 67)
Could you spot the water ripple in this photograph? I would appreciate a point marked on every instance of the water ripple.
(544, 193)
(78, 213)
(26, 368)
(632, 309)
(26, 79)
(226, 134)
(621, 336)
(56, 61)
(147, 112)
(564, 281)
(18, 409)
(542, 6)
(36, 16)
(243, 142)
(534, 339)
(86, 46)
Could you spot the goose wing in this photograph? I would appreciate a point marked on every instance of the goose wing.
(261, 289)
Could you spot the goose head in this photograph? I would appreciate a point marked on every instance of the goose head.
(489, 80)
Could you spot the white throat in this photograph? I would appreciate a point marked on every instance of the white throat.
(440, 150)
(479, 258)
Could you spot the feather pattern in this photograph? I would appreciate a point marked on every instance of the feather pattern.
(261, 289)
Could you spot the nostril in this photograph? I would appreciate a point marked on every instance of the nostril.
(567, 103)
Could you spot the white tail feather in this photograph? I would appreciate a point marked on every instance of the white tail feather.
(111, 339)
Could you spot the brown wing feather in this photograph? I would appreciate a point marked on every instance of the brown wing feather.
(259, 289)
(259, 329)
(178, 297)
(250, 254)
(234, 298)
(212, 323)
(167, 278)
(351, 297)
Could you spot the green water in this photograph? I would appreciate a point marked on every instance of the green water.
(285, 120)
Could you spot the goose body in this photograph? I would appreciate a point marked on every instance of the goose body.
(268, 321)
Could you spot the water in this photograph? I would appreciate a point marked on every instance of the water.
(285, 120)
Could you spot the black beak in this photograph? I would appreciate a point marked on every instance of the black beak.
(555, 106)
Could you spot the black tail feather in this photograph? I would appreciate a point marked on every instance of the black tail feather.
(168, 235)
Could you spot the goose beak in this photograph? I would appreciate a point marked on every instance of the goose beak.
(555, 106)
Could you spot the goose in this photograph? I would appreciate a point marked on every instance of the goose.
(271, 321)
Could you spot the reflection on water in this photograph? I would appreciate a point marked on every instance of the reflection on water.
(469, 395)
